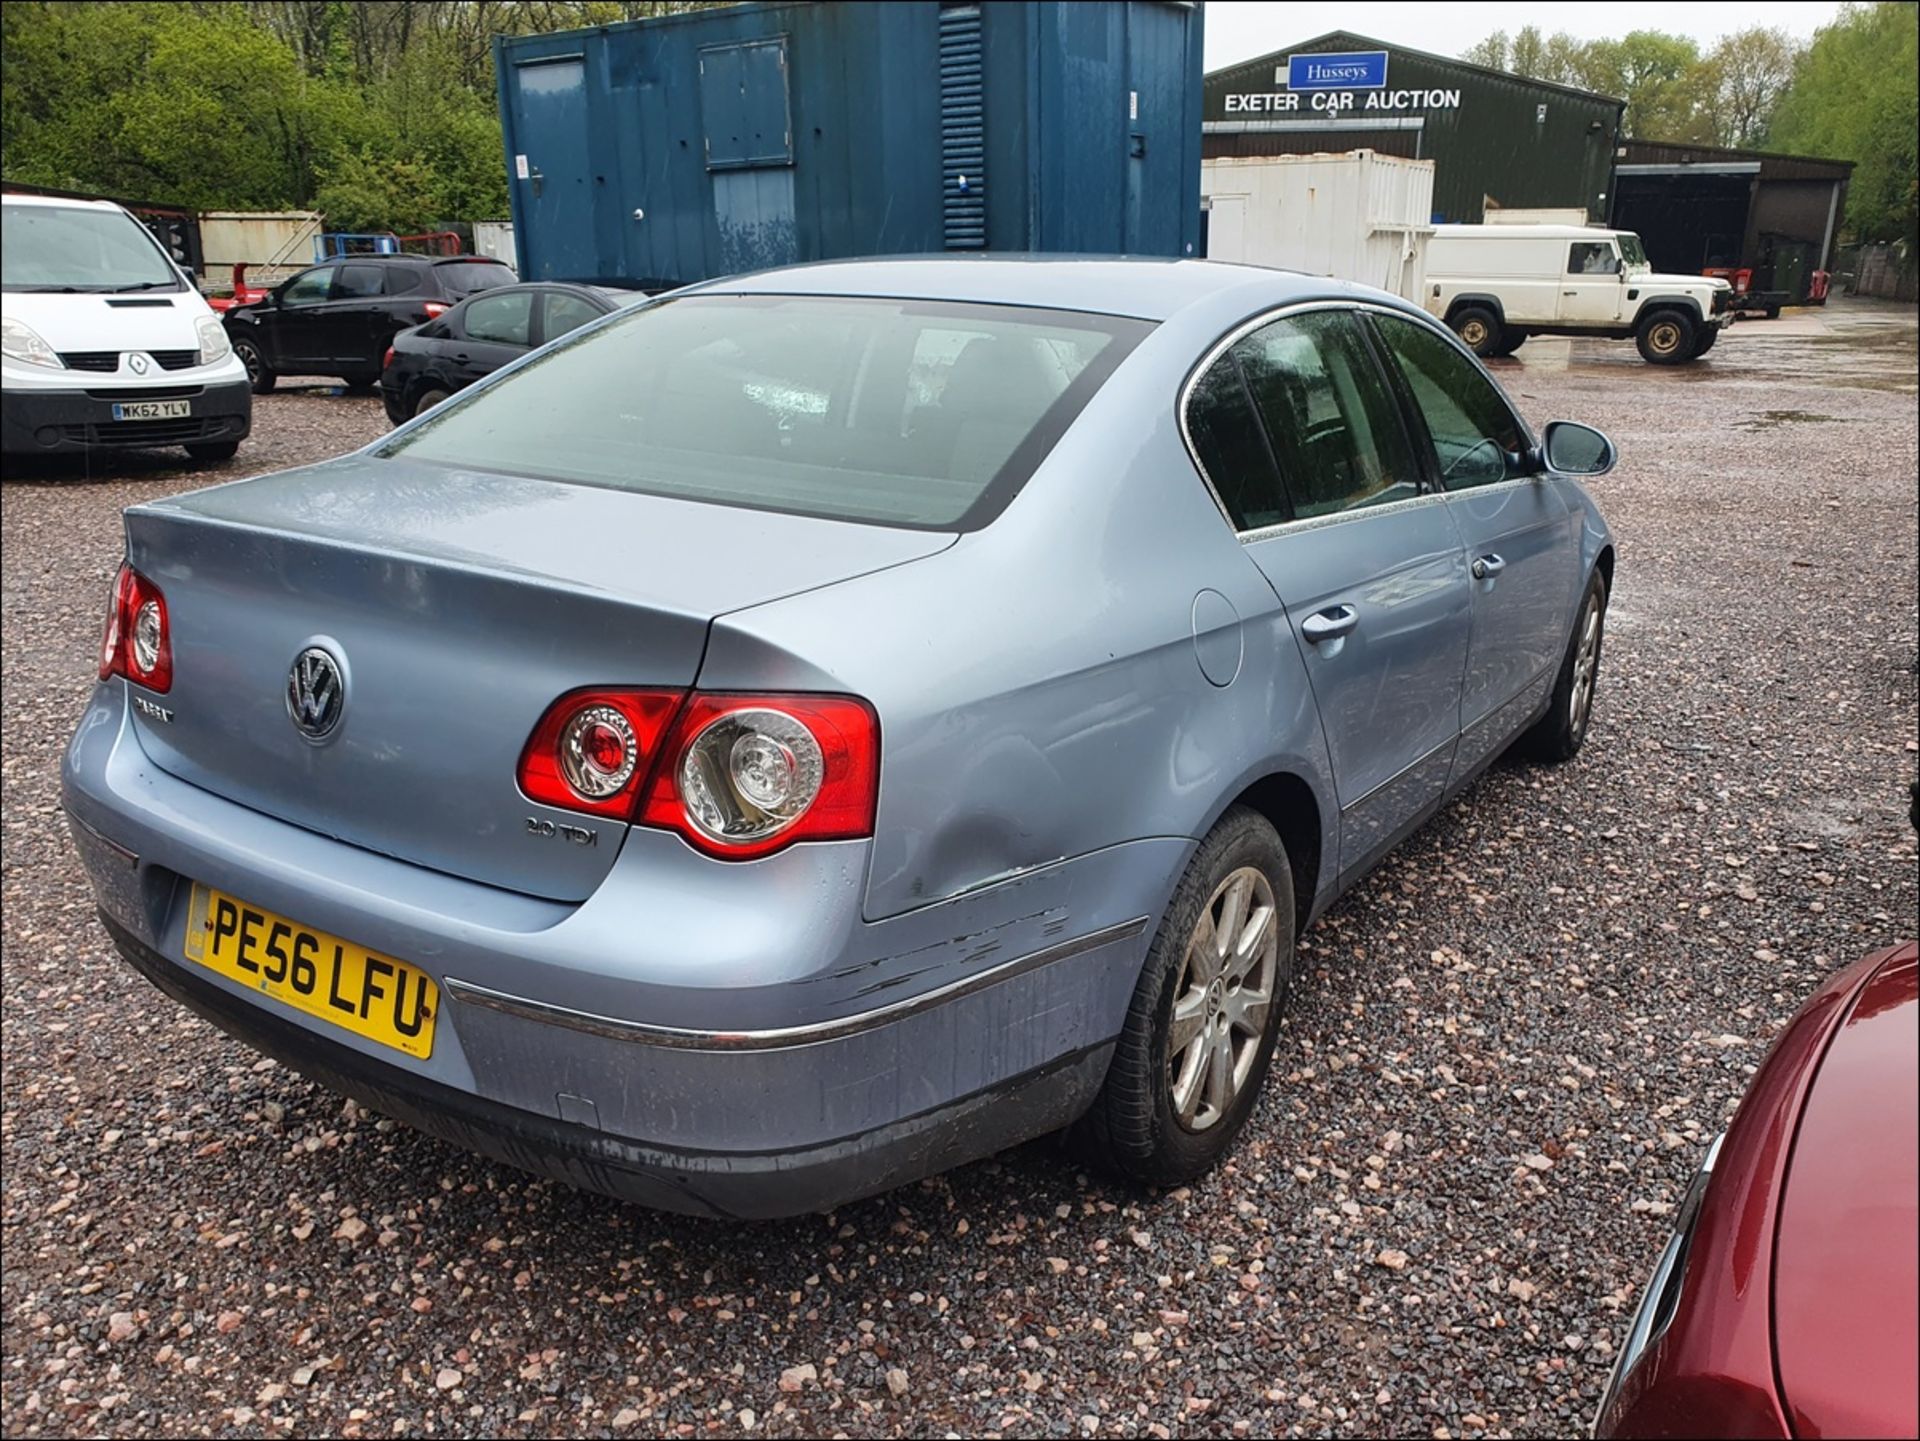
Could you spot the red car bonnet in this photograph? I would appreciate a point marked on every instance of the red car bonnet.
(1846, 1267)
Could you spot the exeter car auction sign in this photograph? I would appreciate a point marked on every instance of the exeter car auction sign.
(1335, 83)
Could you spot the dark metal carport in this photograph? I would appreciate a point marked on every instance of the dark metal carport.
(1700, 206)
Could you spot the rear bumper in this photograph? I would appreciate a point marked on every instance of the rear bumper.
(696, 1036)
(722, 1184)
(53, 422)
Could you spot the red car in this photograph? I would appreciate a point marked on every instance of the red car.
(1785, 1302)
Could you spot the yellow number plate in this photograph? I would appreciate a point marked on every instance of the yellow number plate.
(357, 989)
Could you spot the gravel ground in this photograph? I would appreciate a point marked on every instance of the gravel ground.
(1505, 1050)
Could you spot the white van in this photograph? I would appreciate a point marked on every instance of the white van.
(103, 342)
(1496, 285)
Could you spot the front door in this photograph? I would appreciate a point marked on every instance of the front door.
(1521, 548)
(1366, 561)
(552, 185)
(297, 322)
(1592, 289)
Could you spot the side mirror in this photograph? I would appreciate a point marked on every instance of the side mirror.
(1620, 266)
(1571, 448)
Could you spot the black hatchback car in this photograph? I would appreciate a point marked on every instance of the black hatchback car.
(483, 333)
(339, 317)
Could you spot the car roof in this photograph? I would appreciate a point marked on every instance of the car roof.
(60, 202)
(1142, 288)
(1532, 232)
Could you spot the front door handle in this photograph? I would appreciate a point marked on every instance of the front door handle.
(1330, 624)
(1486, 567)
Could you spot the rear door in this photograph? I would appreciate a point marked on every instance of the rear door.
(356, 317)
(494, 330)
(1300, 432)
(1521, 550)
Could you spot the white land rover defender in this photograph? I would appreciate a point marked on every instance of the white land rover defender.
(1497, 285)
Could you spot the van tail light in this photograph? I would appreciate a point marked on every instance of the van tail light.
(737, 776)
(594, 749)
(138, 643)
(436, 308)
(747, 775)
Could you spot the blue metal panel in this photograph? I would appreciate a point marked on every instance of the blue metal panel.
(873, 112)
(963, 149)
(754, 212)
(743, 104)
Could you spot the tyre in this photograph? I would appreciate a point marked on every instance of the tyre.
(1772, 312)
(1509, 343)
(259, 374)
(1558, 735)
(1199, 1035)
(428, 399)
(361, 384)
(1708, 336)
(214, 451)
(1666, 337)
(1478, 328)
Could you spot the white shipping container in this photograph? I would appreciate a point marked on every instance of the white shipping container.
(1358, 216)
(495, 238)
(256, 238)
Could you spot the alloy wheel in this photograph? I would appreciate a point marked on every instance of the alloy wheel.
(1586, 661)
(1222, 999)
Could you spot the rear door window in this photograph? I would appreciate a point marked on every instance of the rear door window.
(924, 414)
(1327, 408)
(501, 319)
(357, 282)
(401, 279)
(465, 277)
(567, 312)
(1233, 453)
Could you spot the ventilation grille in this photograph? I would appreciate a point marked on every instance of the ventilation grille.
(963, 148)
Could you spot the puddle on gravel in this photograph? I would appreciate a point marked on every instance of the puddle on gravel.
(1770, 419)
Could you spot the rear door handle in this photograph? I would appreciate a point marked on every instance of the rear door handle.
(1330, 624)
(1486, 567)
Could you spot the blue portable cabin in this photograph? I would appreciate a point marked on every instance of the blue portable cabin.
(719, 141)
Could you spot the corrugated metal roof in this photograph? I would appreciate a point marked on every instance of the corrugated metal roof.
(1772, 164)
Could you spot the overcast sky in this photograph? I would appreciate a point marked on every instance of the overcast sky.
(1241, 29)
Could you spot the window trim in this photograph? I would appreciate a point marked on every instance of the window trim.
(1246, 327)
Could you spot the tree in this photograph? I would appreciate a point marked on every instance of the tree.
(1658, 75)
(1854, 97)
(1661, 77)
(1750, 72)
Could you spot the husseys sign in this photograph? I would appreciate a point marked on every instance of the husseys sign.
(1332, 83)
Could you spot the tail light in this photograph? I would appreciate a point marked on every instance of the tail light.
(387, 359)
(594, 749)
(137, 643)
(738, 776)
(436, 308)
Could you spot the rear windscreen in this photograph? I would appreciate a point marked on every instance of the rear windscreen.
(913, 413)
(463, 277)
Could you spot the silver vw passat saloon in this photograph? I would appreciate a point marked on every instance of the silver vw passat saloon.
(821, 727)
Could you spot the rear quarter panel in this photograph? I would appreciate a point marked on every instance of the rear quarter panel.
(1039, 685)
